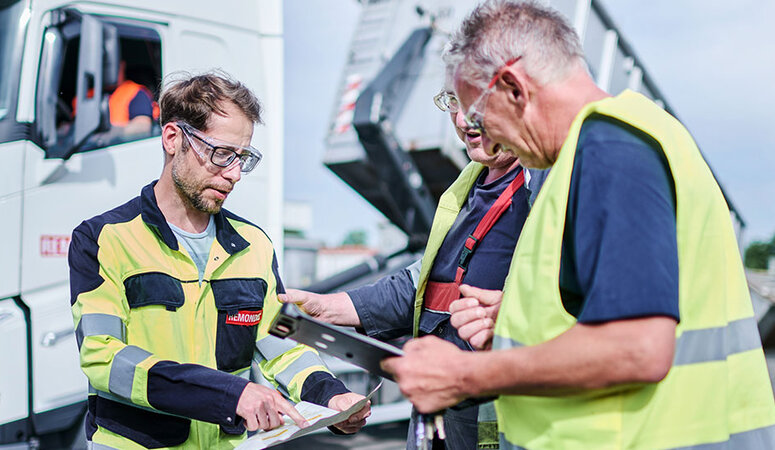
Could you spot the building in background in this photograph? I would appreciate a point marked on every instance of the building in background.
(306, 261)
(333, 260)
(299, 264)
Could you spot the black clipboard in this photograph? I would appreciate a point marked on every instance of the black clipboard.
(357, 349)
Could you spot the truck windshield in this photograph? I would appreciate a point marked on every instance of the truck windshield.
(13, 19)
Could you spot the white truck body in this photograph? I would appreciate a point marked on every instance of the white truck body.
(418, 128)
(43, 197)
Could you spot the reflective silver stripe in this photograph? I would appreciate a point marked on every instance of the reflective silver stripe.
(695, 346)
(271, 347)
(716, 344)
(122, 371)
(414, 272)
(487, 412)
(245, 373)
(92, 389)
(760, 438)
(98, 325)
(94, 446)
(503, 343)
(306, 360)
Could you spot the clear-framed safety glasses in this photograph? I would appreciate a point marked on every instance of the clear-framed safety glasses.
(222, 154)
(475, 115)
(447, 102)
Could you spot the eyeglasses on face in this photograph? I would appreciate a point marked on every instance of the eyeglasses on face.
(447, 102)
(475, 115)
(222, 154)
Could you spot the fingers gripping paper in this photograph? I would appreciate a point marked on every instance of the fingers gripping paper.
(317, 416)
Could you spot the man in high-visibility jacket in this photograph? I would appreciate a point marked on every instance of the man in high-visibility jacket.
(172, 295)
(625, 319)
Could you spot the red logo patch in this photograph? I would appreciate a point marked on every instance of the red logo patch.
(245, 318)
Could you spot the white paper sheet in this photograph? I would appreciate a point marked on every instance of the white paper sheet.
(317, 416)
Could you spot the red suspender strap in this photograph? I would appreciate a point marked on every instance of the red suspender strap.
(485, 225)
(438, 296)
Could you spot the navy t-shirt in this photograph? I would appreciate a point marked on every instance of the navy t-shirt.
(141, 105)
(386, 307)
(619, 251)
(490, 261)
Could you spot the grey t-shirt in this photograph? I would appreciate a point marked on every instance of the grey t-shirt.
(197, 244)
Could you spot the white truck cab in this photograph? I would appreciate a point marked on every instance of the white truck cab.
(62, 162)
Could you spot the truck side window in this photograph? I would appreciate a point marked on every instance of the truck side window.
(125, 85)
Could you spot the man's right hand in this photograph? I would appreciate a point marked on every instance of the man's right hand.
(263, 407)
(335, 308)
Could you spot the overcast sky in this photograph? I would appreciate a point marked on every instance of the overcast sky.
(713, 61)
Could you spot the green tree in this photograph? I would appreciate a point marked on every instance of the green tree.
(355, 237)
(757, 254)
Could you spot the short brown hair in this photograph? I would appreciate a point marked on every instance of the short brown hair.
(194, 98)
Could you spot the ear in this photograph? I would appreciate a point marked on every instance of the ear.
(516, 83)
(171, 137)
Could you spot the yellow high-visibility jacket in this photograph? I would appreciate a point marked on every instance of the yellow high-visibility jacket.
(167, 358)
(717, 393)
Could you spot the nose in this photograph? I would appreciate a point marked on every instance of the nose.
(488, 145)
(232, 173)
(460, 120)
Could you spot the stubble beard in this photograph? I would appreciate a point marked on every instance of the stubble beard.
(191, 193)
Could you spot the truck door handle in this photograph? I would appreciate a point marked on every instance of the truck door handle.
(5, 314)
(51, 338)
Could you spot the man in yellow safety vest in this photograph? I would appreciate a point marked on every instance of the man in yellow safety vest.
(625, 319)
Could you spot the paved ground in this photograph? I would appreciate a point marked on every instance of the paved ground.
(389, 436)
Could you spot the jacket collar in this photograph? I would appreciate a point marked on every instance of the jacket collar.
(227, 236)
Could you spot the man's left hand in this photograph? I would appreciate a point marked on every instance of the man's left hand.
(430, 374)
(474, 315)
(355, 422)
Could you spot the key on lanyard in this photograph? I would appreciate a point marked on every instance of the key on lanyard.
(429, 425)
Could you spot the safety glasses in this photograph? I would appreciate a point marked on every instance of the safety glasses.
(475, 115)
(222, 154)
(447, 102)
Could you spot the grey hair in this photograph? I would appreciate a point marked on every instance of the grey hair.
(498, 31)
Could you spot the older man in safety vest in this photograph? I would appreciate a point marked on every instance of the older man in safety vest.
(626, 320)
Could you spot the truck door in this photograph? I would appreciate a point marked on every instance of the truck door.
(75, 162)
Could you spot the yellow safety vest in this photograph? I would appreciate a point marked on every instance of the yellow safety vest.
(718, 391)
(446, 212)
